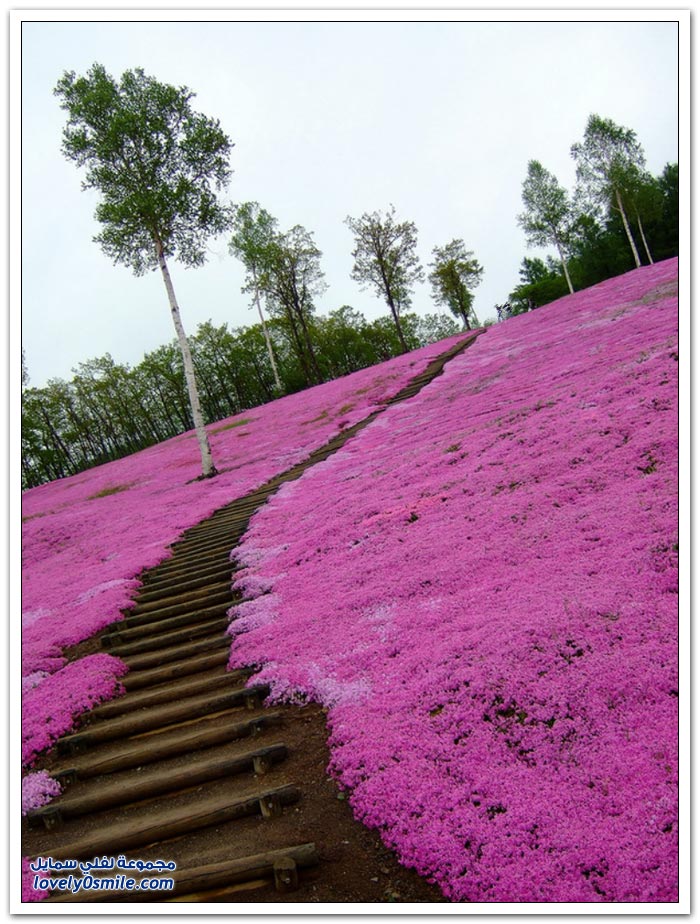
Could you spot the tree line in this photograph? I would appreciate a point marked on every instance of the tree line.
(618, 217)
(108, 409)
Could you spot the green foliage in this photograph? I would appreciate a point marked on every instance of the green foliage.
(433, 327)
(108, 492)
(664, 231)
(254, 231)
(386, 259)
(454, 272)
(156, 163)
(109, 409)
(548, 214)
(599, 248)
(540, 283)
(286, 270)
(616, 201)
(606, 161)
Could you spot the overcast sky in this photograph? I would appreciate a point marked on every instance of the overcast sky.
(329, 119)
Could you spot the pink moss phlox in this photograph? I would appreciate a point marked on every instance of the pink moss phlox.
(482, 588)
(38, 789)
(50, 709)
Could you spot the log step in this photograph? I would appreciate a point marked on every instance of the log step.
(218, 604)
(195, 880)
(160, 825)
(208, 547)
(157, 782)
(166, 692)
(195, 599)
(230, 532)
(167, 744)
(177, 570)
(161, 716)
(156, 641)
(127, 635)
(155, 586)
(166, 655)
(205, 545)
(140, 679)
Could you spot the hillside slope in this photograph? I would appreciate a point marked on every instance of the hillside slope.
(86, 538)
(486, 601)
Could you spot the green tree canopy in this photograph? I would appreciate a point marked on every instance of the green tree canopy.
(254, 234)
(386, 260)
(158, 167)
(548, 213)
(454, 273)
(607, 162)
(156, 163)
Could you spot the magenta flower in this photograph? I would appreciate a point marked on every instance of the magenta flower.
(38, 789)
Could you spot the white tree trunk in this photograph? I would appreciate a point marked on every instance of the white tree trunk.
(635, 252)
(208, 469)
(644, 240)
(278, 384)
(565, 268)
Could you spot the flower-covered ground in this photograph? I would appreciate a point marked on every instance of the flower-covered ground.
(86, 538)
(486, 602)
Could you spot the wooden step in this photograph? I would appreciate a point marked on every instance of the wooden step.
(145, 629)
(230, 532)
(140, 679)
(196, 549)
(153, 586)
(208, 732)
(156, 782)
(167, 692)
(196, 598)
(156, 641)
(195, 880)
(184, 569)
(154, 826)
(161, 716)
(176, 652)
(154, 618)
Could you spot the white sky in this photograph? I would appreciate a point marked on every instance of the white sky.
(328, 119)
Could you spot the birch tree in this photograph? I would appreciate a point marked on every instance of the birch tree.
(386, 260)
(291, 279)
(158, 167)
(605, 163)
(547, 218)
(253, 231)
(643, 197)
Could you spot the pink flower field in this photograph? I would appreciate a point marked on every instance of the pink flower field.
(486, 603)
(86, 538)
